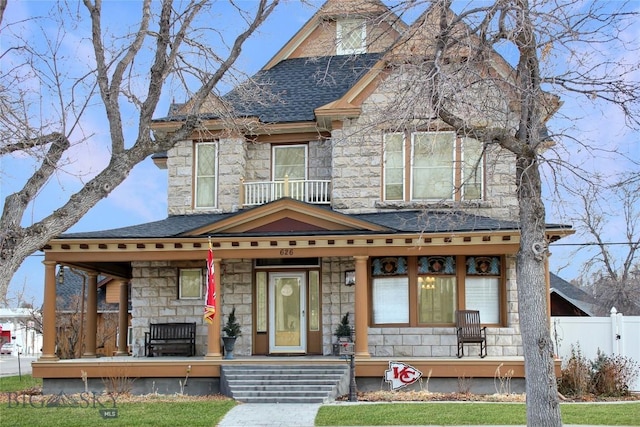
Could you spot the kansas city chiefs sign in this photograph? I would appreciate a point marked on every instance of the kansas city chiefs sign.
(401, 375)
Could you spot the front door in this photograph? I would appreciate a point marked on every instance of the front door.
(287, 296)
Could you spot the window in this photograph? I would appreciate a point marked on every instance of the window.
(351, 36)
(432, 174)
(482, 287)
(390, 300)
(190, 283)
(206, 160)
(436, 289)
(290, 161)
(432, 160)
(390, 290)
(427, 290)
(472, 170)
(394, 166)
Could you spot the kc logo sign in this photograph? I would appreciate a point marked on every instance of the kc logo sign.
(401, 375)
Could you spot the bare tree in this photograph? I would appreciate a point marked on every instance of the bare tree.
(47, 95)
(608, 220)
(550, 49)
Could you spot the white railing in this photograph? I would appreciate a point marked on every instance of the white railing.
(314, 191)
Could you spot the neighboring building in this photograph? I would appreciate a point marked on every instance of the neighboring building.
(71, 307)
(570, 300)
(314, 191)
(20, 327)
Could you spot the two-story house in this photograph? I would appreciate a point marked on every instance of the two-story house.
(320, 198)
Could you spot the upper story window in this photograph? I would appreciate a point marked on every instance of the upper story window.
(289, 161)
(432, 166)
(351, 36)
(206, 174)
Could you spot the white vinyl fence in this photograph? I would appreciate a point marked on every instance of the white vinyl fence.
(613, 335)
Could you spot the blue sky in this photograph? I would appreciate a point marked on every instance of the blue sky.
(142, 197)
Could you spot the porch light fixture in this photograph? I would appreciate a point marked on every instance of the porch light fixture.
(350, 278)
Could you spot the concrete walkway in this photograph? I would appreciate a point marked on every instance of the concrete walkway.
(291, 415)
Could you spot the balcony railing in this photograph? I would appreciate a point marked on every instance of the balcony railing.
(314, 191)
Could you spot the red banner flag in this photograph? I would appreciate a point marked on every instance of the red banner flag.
(210, 299)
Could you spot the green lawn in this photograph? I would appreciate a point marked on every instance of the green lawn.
(160, 414)
(18, 383)
(82, 412)
(442, 413)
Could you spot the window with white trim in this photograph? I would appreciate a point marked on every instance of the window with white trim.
(351, 36)
(190, 283)
(206, 174)
(432, 166)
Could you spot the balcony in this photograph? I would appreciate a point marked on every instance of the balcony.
(309, 191)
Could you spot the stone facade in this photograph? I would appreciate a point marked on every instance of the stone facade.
(154, 299)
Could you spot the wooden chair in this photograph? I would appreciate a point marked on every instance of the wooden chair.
(469, 331)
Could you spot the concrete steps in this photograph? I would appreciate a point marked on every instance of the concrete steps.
(284, 383)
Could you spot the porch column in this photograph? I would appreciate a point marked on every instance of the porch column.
(213, 329)
(123, 319)
(92, 315)
(362, 307)
(49, 312)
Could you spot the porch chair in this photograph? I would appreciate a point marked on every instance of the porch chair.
(468, 331)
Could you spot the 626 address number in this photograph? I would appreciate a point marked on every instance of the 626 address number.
(286, 252)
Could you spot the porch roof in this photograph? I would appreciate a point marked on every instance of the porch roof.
(412, 221)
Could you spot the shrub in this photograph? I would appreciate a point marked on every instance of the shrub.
(576, 374)
(604, 376)
(612, 375)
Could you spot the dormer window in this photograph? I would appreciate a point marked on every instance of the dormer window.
(351, 36)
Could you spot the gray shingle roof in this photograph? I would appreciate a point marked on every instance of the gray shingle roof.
(69, 292)
(572, 294)
(294, 88)
(417, 221)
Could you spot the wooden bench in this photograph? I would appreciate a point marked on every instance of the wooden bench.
(469, 331)
(170, 339)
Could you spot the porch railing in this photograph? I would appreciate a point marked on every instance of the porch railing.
(316, 191)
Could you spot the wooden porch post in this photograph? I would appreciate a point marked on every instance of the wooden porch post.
(92, 315)
(213, 329)
(49, 312)
(123, 319)
(362, 307)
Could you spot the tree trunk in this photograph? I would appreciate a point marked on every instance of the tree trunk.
(543, 409)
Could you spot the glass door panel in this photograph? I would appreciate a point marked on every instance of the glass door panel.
(287, 320)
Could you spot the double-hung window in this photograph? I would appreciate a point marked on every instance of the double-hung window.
(206, 171)
(432, 166)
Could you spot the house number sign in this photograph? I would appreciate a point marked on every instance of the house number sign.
(401, 375)
(286, 252)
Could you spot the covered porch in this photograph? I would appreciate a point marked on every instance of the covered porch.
(201, 375)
